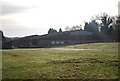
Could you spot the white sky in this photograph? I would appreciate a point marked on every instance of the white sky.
(40, 15)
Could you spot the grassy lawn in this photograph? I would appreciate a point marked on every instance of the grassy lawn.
(62, 64)
(100, 46)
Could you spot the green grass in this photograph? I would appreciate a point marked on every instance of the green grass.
(59, 64)
(100, 46)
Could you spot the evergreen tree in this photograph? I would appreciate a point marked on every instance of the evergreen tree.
(91, 27)
(51, 31)
(60, 30)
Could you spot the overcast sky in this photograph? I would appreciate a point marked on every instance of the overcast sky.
(28, 17)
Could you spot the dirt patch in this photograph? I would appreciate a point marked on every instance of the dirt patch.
(72, 49)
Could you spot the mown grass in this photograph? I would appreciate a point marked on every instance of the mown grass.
(61, 64)
(100, 46)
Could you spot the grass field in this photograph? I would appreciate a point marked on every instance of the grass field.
(62, 64)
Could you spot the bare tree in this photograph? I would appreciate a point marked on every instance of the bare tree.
(104, 20)
(77, 27)
(67, 28)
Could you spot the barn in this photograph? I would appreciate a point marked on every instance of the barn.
(55, 39)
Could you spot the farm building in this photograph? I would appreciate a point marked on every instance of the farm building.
(55, 39)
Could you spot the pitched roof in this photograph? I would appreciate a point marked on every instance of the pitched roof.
(59, 35)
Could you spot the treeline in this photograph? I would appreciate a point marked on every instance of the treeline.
(53, 31)
(102, 26)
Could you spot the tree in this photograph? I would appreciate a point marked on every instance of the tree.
(86, 26)
(5, 43)
(91, 27)
(77, 27)
(67, 28)
(2, 37)
(110, 30)
(51, 31)
(105, 21)
(60, 30)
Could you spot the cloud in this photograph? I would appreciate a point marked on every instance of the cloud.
(8, 8)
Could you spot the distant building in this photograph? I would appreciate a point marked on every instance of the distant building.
(55, 39)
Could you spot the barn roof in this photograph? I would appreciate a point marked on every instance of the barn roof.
(59, 35)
